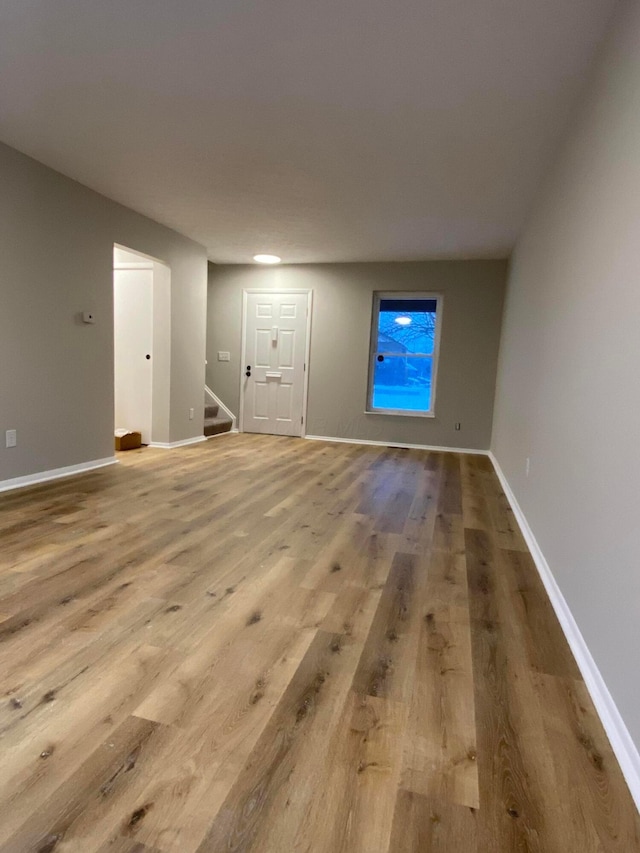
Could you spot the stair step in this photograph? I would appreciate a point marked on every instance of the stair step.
(214, 426)
(211, 410)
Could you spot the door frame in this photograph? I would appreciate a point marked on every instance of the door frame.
(270, 291)
(160, 339)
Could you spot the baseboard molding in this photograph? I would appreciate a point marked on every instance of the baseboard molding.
(55, 474)
(404, 446)
(227, 411)
(169, 445)
(621, 742)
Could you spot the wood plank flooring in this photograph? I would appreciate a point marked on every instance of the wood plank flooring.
(272, 645)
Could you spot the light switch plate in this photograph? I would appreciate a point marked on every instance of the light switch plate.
(11, 436)
(224, 356)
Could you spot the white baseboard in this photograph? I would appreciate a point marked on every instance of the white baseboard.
(169, 445)
(219, 402)
(621, 741)
(55, 474)
(397, 444)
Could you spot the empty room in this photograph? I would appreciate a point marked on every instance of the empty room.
(319, 406)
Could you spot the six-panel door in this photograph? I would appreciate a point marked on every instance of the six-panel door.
(275, 347)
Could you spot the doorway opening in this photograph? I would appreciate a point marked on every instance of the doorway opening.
(142, 344)
(276, 333)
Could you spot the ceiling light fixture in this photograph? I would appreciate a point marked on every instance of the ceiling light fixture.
(267, 259)
(403, 321)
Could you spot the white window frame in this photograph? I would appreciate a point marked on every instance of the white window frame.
(379, 296)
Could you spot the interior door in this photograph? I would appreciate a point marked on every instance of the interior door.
(273, 369)
(133, 340)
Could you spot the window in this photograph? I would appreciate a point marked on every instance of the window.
(404, 353)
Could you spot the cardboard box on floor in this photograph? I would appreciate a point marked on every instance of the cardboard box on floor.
(130, 441)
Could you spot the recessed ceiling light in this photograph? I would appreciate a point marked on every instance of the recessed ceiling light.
(403, 321)
(267, 259)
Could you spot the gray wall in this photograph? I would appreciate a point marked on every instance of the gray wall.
(473, 296)
(56, 260)
(569, 379)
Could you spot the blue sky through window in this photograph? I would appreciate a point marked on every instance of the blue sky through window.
(403, 358)
(415, 336)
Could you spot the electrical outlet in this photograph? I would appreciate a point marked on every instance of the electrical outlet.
(191, 413)
(11, 436)
(527, 466)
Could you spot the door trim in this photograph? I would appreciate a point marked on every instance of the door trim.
(307, 350)
(161, 399)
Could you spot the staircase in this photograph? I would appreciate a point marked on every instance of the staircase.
(215, 422)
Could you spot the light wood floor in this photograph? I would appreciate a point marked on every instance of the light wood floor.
(266, 644)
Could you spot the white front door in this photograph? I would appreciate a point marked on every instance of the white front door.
(273, 367)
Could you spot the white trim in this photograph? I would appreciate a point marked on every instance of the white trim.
(55, 473)
(399, 413)
(151, 263)
(243, 344)
(307, 353)
(621, 741)
(392, 444)
(169, 445)
(222, 406)
(307, 358)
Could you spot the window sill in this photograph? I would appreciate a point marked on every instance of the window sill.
(397, 413)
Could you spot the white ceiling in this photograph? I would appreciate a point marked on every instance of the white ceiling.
(321, 130)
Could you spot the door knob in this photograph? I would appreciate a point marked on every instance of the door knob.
(248, 370)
